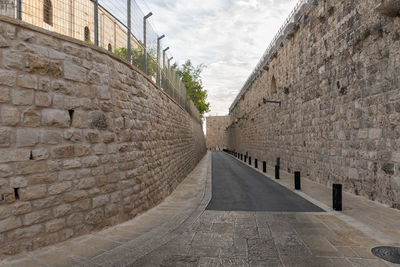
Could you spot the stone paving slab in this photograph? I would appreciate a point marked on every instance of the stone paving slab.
(192, 236)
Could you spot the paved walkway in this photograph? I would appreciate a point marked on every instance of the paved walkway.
(180, 232)
(236, 187)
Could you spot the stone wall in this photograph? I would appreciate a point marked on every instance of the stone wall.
(337, 74)
(86, 140)
(216, 133)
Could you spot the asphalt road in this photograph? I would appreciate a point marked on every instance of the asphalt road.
(238, 187)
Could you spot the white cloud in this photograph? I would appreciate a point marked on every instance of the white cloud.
(226, 35)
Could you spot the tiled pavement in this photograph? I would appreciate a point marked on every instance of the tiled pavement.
(180, 232)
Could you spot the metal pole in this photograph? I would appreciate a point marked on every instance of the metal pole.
(129, 56)
(170, 87)
(145, 40)
(96, 23)
(165, 50)
(158, 59)
(19, 9)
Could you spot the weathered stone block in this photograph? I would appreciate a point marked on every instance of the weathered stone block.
(92, 136)
(22, 97)
(27, 81)
(15, 155)
(111, 210)
(26, 232)
(24, 168)
(10, 223)
(71, 164)
(37, 217)
(17, 182)
(20, 208)
(62, 210)
(5, 137)
(43, 100)
(74, 72)
(5, 211)
(75, 195)
(31, 118)
(51, 137)
(75, 219)
(59, 188)
(27, 137)
(90, 162)
(98, 120)
(4, 95)
(375, 133)
(56, 118)
(55, 225)
(8, 77)
(83, 205)
(100, 201)
(86, 183)
(9, 116)
(85, 90)
(33, 192)
(65, 151)
(40, 154)
(95, 216)
(44, 84)
(6, 170)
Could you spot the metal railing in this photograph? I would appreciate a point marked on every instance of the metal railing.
(118, 26)
(283, 31)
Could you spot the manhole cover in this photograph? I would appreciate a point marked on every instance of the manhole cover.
(391, 254)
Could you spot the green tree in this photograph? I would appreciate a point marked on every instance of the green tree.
(138, 59)
(191, 77)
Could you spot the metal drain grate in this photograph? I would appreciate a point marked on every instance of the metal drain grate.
(391, 254)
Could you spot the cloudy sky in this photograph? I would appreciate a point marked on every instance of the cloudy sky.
(228, 36)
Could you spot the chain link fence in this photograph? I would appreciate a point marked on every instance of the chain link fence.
(118, 26)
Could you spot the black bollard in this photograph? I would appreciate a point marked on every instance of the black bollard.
(256, 163)
(276, 171)
(245, 158)
(249, 160)
(297, 185)
(337, 196)
(264, 166)
(241, 156)
(278, 161)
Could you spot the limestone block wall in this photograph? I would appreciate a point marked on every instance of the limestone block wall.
(216, 133)
(338, 76)
(86, 140)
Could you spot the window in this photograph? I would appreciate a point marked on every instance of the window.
(87, 34)
(48, 12)
(109, 47)
(273, 85)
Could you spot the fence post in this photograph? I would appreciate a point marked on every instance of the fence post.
(158, 59)
(129, 56)
(164, 70)
(96, 23)
(145, 41)
(19, 9)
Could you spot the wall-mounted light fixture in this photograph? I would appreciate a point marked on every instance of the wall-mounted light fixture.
(272, 101)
